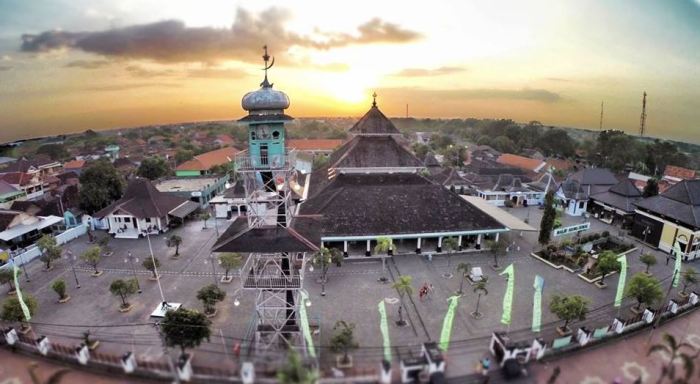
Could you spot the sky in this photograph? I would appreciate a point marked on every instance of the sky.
(71, 65)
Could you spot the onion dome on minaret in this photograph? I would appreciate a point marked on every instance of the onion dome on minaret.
(265, 103)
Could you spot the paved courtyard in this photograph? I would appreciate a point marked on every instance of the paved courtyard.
(353, 293)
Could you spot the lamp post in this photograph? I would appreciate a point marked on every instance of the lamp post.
(131, 259)
(645, 232)
(71, 259)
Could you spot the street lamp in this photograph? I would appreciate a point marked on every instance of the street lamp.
(131, 259)
(645, 232)
(71, 259)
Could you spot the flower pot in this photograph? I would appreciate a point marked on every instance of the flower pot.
(600, 285)
(64, 300)
(212, 314)
(125, 309)
(49, 269)
(683, 294)
(151, 278)
(636, 310)
(12, 292)
(24, 329)
(97, 274)
(477, 315)
(564, 331)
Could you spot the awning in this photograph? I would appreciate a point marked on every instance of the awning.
(38, 225)
(184, 209)
(513, 223)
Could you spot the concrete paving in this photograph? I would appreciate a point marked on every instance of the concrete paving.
(353, 293)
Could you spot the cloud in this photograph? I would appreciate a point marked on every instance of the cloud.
(171, 41)
(423, 72)
(87, 64)
(526, 94)
(125, 87)
(214, 73)
(558, 79)
(5, 67)
(139, 71)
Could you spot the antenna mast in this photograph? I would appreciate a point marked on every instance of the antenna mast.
(643, 118)
(600, 127)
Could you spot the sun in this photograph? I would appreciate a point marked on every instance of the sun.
(351, 87)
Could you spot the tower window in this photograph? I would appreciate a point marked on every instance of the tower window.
(276, 134)
(252, 135)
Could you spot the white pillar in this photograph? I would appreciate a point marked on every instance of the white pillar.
(459, 242)
(497, 236)
(369, 249)
(439, 247)
(478, 241)
(418, 246)
(345, 246)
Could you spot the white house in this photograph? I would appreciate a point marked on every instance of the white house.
(143, 209)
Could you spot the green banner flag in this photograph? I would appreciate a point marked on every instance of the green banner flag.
(508, 297)
(305, 325)
(447, 323)
(22, 304)
(677, 269)
(537, 304)
(621, 282)
(384, 327)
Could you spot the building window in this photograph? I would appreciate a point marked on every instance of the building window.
(581, 204)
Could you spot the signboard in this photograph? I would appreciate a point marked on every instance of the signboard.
(572, 229)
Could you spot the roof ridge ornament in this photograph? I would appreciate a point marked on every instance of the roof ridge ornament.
(374, 99)
(266, 58)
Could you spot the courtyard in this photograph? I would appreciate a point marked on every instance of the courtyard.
(352, 294)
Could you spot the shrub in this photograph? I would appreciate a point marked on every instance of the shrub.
(59, 286)
(606, 234)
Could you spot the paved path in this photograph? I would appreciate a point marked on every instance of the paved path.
(625, 359)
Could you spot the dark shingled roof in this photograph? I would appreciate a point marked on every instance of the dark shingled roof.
(374, 123)
(401, 203)
(6, 218)
(594, 176)
(372, 152)
(622, 196)
(240, 238)
(680, 202)
(143, 200)
(448, 176)
(430, 160)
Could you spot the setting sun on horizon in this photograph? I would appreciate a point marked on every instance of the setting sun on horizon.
(71, 66)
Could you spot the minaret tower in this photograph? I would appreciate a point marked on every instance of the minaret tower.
(266, 170)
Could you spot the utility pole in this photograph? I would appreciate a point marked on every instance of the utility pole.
(643, 117)
(600, 127)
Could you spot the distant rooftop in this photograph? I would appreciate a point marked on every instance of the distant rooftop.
(186, 184)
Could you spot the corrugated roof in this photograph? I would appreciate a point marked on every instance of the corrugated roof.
(679, 172)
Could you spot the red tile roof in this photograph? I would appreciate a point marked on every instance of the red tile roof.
(314, 144)
(561, 164)
(17, 178)
(679, 172)
(74, 164)
(225, 140)
(520, 162)
(208, 160)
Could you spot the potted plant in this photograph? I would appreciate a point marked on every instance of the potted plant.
(151, 264)
(123, 289)
(646, 289)
(91, 343)
(7, 277)
(343, 342)
(209, 295)
(50, 250)
(59, 286)
(690, 277)
(174, 241)
(607, 263)
(568, 308)
(12, 311)
(92, 257)
(649, 260)
(229, 261)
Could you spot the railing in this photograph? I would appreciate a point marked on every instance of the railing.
(259, 273)
(32, 252)
(248, 162)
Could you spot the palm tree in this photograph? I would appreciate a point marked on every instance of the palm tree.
(450, 244)
(480, 289)
(674, 349)
(384, 244)
(323, 259)
(498, 248)
(403, 287)
(464, 269)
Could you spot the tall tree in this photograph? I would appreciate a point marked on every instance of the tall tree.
(53, 151)
(92, 257)
(123, 289)
(557, 141)
(174, 241)
(403, 287)
(323, 259)
(344, 339)
(100, 185)
(690, 277)
(547, 223)
(649, 260)
(480, 289)
(607, 262)
(7, 277)
(12, 309)
(651, 188)
(154, 168)
(229, 261)
(185, 328)
(497, 248)
(151, 264)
